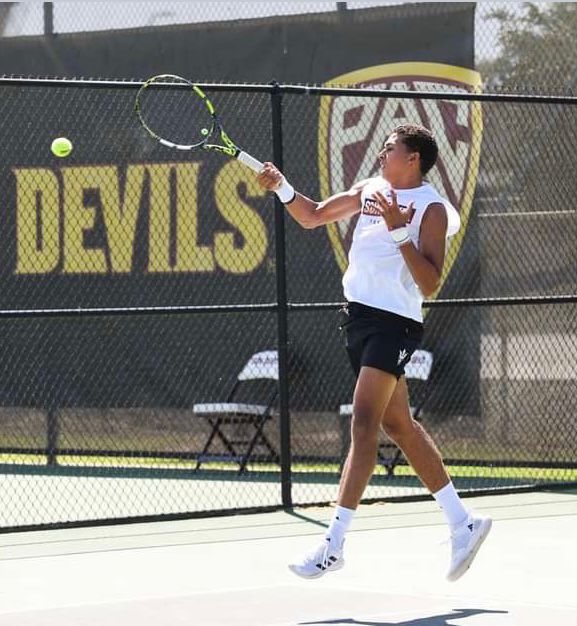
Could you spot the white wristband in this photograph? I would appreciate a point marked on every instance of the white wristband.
(400, 235)
(286, 192)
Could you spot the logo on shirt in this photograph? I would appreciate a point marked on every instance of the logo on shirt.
(371, 207)
(353, 130)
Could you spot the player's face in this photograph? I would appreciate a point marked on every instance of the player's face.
(394, 157)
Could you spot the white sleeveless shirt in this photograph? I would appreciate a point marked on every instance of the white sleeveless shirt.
(377, 274)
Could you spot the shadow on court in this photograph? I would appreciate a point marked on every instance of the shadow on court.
(434, 620)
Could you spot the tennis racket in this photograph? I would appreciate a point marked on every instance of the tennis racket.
(178, 114)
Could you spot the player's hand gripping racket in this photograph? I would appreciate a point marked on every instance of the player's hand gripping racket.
(178, 114)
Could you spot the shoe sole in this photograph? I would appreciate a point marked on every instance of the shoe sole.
(333, 568)
(466, 564)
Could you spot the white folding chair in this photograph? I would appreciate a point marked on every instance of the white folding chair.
(262, 366)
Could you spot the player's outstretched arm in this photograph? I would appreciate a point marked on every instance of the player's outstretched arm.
(307, 212)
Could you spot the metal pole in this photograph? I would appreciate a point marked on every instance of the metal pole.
(52, 435)
(282, 310)
(48, 18)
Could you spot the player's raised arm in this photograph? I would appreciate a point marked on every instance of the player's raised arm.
(307, 212)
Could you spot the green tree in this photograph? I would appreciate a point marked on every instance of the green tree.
(527, 173)
(538, 52)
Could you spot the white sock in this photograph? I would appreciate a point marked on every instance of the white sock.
(452, 506)
(340, 523)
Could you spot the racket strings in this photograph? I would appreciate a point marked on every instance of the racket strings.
(173, 111)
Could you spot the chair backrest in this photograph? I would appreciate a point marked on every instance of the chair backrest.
(261, 365)
(257, 381)
(420, 365)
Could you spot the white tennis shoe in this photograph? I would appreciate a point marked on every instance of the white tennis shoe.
(319, 561)
(466, 540)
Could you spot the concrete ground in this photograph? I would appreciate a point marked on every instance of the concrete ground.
(232, 570)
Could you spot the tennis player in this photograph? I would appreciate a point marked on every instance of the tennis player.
(395, 260)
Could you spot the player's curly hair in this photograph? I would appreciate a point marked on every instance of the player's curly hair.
(419, 139)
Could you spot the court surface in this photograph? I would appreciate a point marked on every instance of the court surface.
(232, 570)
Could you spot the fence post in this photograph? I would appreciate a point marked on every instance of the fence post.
(282, 309)
(52, 435)
(48, 18)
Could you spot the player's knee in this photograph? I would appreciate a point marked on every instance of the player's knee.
(364, 429)
(399, 429)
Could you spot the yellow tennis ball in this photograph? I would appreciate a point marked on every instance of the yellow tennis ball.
(61, 147)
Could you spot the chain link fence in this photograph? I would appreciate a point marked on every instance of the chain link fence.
(151, 366)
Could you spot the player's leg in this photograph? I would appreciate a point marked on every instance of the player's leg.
(468, 530)
(373, 390)
(367, 403)
(417, 446)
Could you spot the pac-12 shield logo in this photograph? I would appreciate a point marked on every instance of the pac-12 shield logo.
(352, 130)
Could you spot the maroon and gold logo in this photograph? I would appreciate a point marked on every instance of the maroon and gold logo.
(352, 131)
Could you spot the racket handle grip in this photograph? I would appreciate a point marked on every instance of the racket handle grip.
(249, 161)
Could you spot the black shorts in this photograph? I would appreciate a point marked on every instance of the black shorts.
(378, 338)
